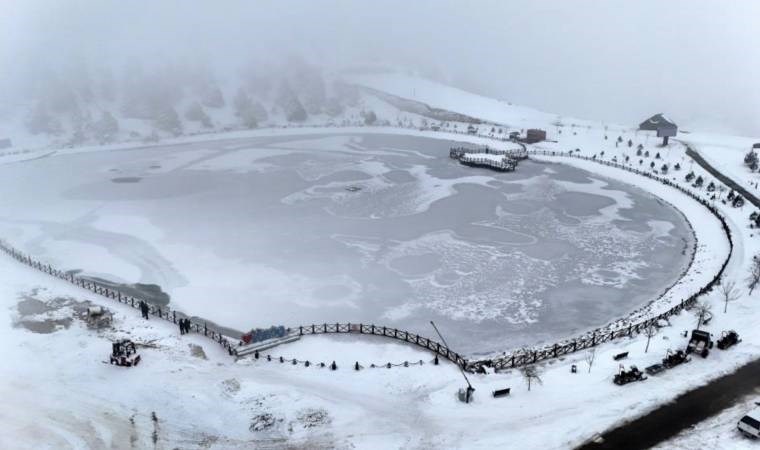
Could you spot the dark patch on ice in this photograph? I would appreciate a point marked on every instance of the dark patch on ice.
(126, 179)
(331, 292)
(151, 293)
(345, 176)
(416, 265)
(155, 166)
(580, 203)
(399, 176)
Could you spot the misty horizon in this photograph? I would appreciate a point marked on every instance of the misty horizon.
(614, 62)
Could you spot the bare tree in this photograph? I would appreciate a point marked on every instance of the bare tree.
(589, 357)
(650, 332)
(754, 274)
(703, 311)
(729, 292)
(530, 373)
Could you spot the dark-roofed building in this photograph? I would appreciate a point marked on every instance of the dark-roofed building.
(659, 123)
(534, 135)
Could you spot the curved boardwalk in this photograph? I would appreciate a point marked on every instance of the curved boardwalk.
(393, 333)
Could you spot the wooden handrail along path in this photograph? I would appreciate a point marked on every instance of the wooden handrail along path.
(227, 341)
(393, 333)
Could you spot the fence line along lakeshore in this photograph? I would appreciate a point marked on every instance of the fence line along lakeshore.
(516, 358)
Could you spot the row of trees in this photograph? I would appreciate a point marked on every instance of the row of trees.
(88, 104)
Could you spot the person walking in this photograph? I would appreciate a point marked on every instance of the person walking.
(145, 309)
(181, 326)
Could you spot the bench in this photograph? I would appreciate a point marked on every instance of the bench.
(501, 392)
(620, 356)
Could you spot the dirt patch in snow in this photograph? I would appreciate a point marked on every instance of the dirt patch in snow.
(48, 316)
(197, 351)
(263, 422)
(231, 386)
(310, 417)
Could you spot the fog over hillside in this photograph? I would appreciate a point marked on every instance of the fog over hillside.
(616, 61)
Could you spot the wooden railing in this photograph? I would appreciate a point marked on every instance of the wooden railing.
(516, 358)
(393, 333)
(164, 313)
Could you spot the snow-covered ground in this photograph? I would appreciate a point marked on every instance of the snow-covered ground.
(453, 99)
(726, 153)
(58, 394)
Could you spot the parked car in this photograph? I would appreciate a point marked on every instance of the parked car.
(750, 423)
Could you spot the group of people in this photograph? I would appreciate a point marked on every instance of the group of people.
(144, 309)
(184, 326)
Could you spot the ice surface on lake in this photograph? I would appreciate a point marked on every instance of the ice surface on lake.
(364, 228)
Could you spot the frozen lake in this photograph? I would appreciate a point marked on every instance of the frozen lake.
(363, 228)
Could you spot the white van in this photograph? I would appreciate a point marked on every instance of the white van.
(750, 424)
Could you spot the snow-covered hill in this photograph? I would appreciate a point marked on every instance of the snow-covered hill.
(453, 99)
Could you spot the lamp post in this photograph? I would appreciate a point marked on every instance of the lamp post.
(470, 389)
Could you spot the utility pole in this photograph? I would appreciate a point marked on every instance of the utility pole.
(470, 389)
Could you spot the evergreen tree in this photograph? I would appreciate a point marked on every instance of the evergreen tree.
(166, 119)
(750, 159)
(106, 128)
(41, 121)
(369, 117)
(291, 106)
(242, 102)
(212, 97)
(196, 113)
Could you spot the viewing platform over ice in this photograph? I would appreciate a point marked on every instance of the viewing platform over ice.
(503, 160)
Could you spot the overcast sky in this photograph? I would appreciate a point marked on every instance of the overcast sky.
(697, 61)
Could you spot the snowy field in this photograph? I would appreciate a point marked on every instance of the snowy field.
(56, 401)
(365, 228)
(369, 409)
